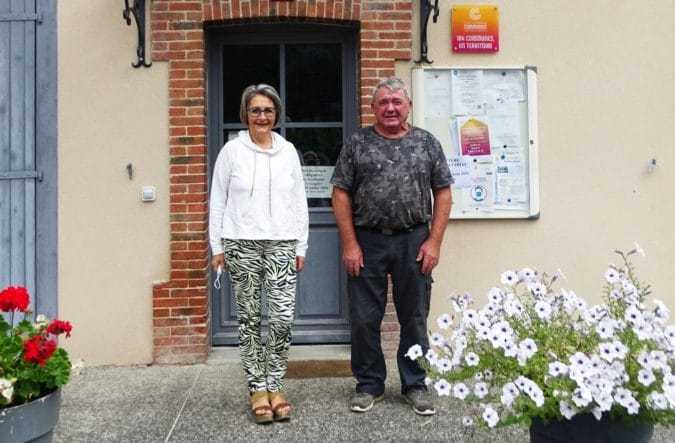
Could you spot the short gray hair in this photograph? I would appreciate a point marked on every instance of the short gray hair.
(264, 90)
(393, 84)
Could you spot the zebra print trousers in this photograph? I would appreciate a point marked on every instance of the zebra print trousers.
(254, 266)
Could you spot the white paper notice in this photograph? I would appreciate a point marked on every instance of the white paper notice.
(467, 92)
(482, 190)
(317, 181)
(504, 125)
(504, 85)
(437, 95)
(511, 182)
(460, 168)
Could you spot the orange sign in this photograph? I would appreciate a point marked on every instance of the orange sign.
(475, 28)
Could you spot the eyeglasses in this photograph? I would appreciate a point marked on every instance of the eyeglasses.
(269, 112)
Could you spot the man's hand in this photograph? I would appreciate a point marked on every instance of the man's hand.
(352, 257)
(299, 263)
(217, 261)
(429, 253)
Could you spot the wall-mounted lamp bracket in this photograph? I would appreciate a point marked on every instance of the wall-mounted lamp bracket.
(425, 12)
(138, 11)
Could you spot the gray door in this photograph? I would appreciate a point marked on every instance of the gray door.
(314, 69)
(27, 116)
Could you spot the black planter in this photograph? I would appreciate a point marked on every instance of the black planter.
(584, 428)
(31, 422)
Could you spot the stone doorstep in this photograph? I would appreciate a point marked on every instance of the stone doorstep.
(305, 361)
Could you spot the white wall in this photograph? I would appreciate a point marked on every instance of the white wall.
(111, 245)
(606, 87)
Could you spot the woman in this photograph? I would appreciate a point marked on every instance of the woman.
(258, 225)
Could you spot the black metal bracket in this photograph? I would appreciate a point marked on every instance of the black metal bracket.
(138, 11)
(425, 12)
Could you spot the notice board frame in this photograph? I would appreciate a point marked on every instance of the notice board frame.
(528, 115)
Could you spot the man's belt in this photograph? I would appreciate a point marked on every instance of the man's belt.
(389, 231)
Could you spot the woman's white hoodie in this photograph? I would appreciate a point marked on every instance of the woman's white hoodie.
(258, 194)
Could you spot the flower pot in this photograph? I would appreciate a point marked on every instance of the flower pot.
(584, 428)
(31, 422)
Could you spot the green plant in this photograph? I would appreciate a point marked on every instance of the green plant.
(534, 351)
(31, 363)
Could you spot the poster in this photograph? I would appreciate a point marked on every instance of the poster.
(317, 181)
(482, 189)
(475, 28)
(474, 135)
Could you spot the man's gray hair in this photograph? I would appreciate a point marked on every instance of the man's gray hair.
(393, 84)
(264, 90)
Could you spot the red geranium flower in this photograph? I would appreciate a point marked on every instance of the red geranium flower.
(58, 327)
(38, 349)
(14, 298)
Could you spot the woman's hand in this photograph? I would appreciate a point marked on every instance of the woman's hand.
(299, 263)
(217, 261)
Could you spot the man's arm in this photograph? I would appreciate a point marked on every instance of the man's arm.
(430, 251)
(352, 257)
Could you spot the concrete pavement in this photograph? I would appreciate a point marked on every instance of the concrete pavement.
(208, 403)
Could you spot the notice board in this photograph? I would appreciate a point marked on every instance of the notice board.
(486, 121)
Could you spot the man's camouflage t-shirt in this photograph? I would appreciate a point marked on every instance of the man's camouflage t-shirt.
(390, 180)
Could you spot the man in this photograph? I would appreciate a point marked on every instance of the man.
(382, 187)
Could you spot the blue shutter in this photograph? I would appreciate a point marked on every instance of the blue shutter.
(18, 173)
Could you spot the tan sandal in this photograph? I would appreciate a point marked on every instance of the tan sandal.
(281, 408)
(260, 408)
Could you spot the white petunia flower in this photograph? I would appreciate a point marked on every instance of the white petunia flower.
(444, 365)
(557, 368)
(437, 339)
(620, 349)
(657, 401)
(442, 388)
(472, 359)
(444, 321)
(467, 421)
(495, 295)
(567, 410)
(460, 391)
(661, 312)
(480, 390)
(607, 351)
(633, 407)
(428, 381)
(431, 356)
(491, 417)
(633, 315)
(510, 349)
(582, 397)
(527, 274)
(543, 310)
(527, 347)
(605, 329)
(579, 359)
(597, 413)
(612, 275)
(469, 317)
(658, 360)
(646, 377)
(509, 278)
(414, 352)
(537, 289)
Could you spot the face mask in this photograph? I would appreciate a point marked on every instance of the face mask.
(216, 283)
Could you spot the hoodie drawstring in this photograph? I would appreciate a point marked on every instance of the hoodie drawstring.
(269, 180)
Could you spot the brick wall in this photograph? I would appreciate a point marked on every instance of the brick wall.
(180, 305)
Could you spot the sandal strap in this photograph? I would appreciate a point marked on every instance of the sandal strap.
(281, 405)
(262, 408)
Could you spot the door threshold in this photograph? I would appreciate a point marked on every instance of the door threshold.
(297, 353)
